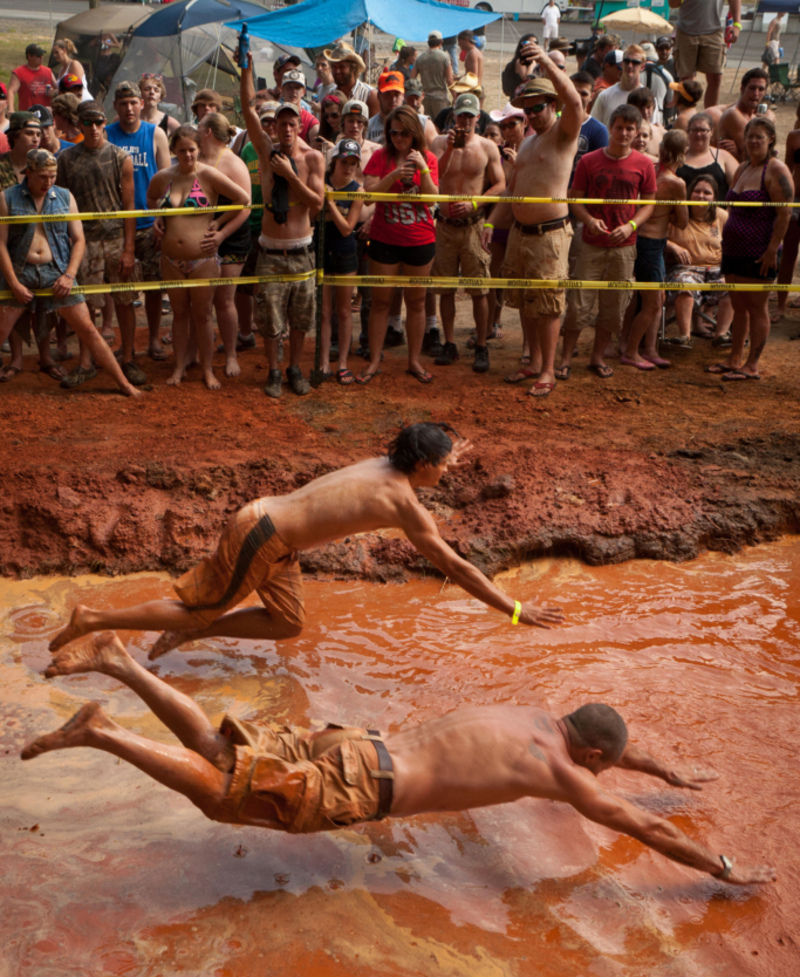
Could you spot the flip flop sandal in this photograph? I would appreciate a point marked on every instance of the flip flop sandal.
(345, 377)
(604, 372)
(717, 369)
(53, 371)
(563, 373)
(736, 375)
(10, 373)
(542, 389)
(157, 354)
(364, 378)
(521, 375)
(422, 375)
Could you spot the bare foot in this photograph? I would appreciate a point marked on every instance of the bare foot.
(170, 640)
(211, 381)
(77, 732)
(78, 626)
(175, 379)
(232, 368)
(131, 391)
(103, 653)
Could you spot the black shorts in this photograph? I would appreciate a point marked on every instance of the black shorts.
(248, 271)
(398, 254)
(746, 268)
(340, 263)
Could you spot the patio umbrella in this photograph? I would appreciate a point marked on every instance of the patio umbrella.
(637, 19)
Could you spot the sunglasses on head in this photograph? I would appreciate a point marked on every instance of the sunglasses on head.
(631, 61)
(147, 74)
(535, 109)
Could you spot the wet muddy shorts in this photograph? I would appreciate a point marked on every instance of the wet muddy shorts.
(299, 781)
(148, 260)
(459, 253)
(101, 265)
(35, 278)
(250, 556)
(278, 304)
(543, 256)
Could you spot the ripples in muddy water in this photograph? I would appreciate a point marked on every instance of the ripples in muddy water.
(106, 872)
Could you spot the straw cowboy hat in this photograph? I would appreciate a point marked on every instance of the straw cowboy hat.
(343, 52)
(466, 83)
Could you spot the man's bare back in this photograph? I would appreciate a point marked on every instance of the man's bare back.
(668, 187)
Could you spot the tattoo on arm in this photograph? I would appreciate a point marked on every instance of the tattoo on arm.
(786, 187)
(534, 750)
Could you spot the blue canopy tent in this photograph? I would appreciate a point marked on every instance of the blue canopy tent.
(314, 23)
(189, 45)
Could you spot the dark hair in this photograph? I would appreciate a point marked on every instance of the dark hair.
(184, 132)
(761, 121)
(641, 98)
(693, 89)
(599, 727)
(424, 442)
(711, 212)
(406, 53)
(466, 36)
(628, 113)
(748, 76)
(410, 120)
(581, 78)
(524, 40)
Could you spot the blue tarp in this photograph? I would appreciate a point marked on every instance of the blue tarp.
(779, 7)
(314, 23)
(177, 17)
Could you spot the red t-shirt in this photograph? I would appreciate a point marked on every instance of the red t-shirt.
(600, 175)
(307, 120)
(404, 223)
(33, 87)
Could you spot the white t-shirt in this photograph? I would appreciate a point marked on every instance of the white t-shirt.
(551, 15)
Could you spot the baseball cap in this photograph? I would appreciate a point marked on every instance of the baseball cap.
(414, 86)
(91, 110)
(467, 104)
(269, 110)
(347, 147)
(41, 159)
(294, 77)
(43, 114)
(23, 120)
(287, 107)
(613, 57)
(285, 59)
(68, 82)
(649, 50)
(3, 91)
(127, 89)
(435, 36)
(36, 49)
(664, 41)
(391, 81)
(534, 87)
(355, 107)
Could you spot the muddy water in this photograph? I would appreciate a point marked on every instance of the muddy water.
(105, 872)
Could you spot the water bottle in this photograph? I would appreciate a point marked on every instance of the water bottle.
(244, 47)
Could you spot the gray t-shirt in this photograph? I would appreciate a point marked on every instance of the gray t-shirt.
(431, 67)
(701, 16)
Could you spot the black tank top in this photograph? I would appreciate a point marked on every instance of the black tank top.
(690, 173)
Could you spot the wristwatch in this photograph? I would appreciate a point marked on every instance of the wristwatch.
(727, 867)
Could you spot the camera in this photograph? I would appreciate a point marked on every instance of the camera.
(460, 140)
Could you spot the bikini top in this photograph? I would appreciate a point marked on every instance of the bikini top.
(195, 198)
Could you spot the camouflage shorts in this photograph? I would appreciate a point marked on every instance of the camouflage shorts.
(101, 265)
(285, 303)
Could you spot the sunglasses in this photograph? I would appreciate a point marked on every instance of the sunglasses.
(698, 129)
(535, 109)
(332, 115)
(89, 123)
(399, 132)
(510, 124)
(147, 74)
(631, 61)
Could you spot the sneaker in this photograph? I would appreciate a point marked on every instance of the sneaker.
(272, 388)
(431, 343)
(297, 381)
(78, 376)
(481, 364)
(394, 337)
(134, 375)
(245, 342)
(448, 355)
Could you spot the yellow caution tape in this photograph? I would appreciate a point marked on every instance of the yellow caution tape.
(389, 281)
(117, 214)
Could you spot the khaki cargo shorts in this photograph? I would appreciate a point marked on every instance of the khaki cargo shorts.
(278, 304)
(542, 256)
(101, 266)
(699, 52)
(459, 253)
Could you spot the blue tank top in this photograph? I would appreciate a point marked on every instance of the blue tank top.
(141, 147)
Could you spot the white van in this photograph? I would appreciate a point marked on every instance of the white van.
(527, 9)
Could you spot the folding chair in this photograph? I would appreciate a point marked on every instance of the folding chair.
(781, 86)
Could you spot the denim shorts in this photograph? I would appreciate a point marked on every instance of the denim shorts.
(649, 265)
(36, 277)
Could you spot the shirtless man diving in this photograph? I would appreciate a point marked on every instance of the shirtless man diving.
(468, 164)
(539, 242)
(298, 781)
(258, 551)
(293, 192)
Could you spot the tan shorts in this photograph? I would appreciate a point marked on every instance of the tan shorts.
(699, 52)
(595, 264)
(542, 256)
(459, 253)
(148, 260)
(280, 303)
(250, 556)
(298, 781)
(100, 266)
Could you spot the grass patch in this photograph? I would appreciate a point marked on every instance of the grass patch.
(14, 40)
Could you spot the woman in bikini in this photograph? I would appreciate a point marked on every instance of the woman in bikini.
(190, 183)
(154, 91)
(751, 243)
(229, 233)
(65, 53)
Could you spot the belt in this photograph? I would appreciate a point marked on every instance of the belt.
(306, 249)
(461, 221)
(384, 774)
(542, 228)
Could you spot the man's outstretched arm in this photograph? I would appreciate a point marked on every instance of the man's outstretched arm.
(590, 800)
(635, 758)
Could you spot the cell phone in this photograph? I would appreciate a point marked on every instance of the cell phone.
(459, 140)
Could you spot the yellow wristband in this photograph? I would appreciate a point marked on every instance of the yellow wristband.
(517, 610)
(425, 171)
(737, 25)
(633, 224)
(474, 205)
(487, 224)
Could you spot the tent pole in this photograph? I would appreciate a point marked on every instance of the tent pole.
(741, 59)
(502, 55)
(216, 58)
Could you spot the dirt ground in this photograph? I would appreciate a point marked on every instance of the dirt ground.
(660, 465)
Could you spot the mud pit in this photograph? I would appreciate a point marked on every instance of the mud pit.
(106, 872)
(661, 465)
